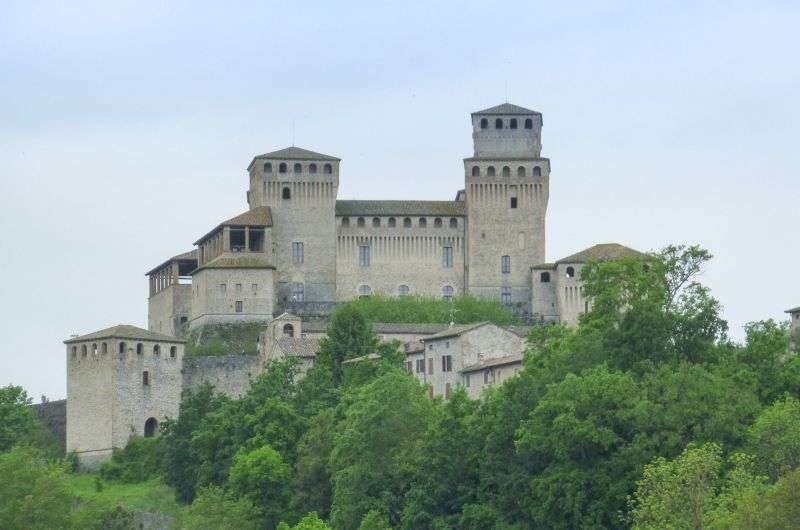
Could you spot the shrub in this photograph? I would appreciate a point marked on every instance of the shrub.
(138, 462)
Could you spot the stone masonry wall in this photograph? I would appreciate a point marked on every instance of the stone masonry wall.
(229, 374)
(210, 304)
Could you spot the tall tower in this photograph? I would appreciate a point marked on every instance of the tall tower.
(507, 189)
(299, 187)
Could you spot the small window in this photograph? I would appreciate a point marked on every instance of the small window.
(345, 222)
(94, 348)
(238, 287)
(430, 366)
(145, 378)
(328, 169)
(498, 123)
(74, 352)
(447, 257)
(376, 222)
(364, 291)
(447, 363)
(286, 193)
(150, 427)
(392, 222)
(122, 347)
(513, 202)
(544, 277)
(184, 320)
(282, 167)
(528, 123)
(420, 366)
(505, 295)
(139, 349)
(521, 171)
(312, 168)
(505, 264)
(537, 171)
(437, 223)
(239, 306)
(156, 349)
(447, 293)
(297, 253)
(476, 171)
(486, 377)
(298, 168)
(223, 288)
(403, 290)
(484, 123)
(407, 222)
(570, 272)
(268, 167)
(490, 171)
(409, 367)
(466, 380)
(104, 348)
(453, 222)
(512, 124)
(506, 171)
(364, 255)
(288, 330)
(254, 287)
(298, 292)
(83, 350)
(173, 351)
(360, 222)
(423, 222)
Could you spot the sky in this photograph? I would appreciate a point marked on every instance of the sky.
(126, 129)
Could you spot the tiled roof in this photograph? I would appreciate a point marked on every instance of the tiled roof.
(296, 153)
(124, 331)
(506, 108)
(353, 208)
(186, 256)
(414, 346)
(549, 266)
(238, 262)
(520, 331)
(603, 251)
(320, 326)
(368, 357)
(454, 331)
(298, 346)
(258, 216)
(496, 361)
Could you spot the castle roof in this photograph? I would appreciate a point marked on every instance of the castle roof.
(258, 216)
(304, 347)
(186, 256)
(237, 262)
(320, 326)
(455, 331)
(496, 361)
(603, 251)
(506, 108)
(124, 331)
(354, 208)
(793, 310)
(293, 153)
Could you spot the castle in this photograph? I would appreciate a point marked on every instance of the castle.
(298, 251)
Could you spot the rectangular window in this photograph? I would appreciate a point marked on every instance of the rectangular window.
(420, 366)
(223, 288)
(505, 264)
(298, 292)
(447, 257)
(255, 288)
(145, 378)
(363, 256)
(513, 202)
(486, 377)
(430, 366)
(297, 253)
(447, 363)
(239, 305)
(238, 287)
(505, 295)
(466, 380)
(256, 240)
(409, 367)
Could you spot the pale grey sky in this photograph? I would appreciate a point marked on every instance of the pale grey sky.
(126, 128)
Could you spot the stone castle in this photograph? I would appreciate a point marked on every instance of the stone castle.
(298, 251)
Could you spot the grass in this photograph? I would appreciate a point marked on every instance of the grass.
(429, 310)
(224, 339)
(151, 496)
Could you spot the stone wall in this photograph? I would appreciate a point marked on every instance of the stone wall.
(211, 304)
(166, 308)
(53, 414)
(229, 374)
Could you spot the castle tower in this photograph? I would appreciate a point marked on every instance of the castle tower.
(299, 187)
(507, 189)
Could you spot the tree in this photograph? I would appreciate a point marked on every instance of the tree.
(764, 358)
(309, 522)
(262, 477)
(18, 421)
(773, 508)
(312, 481)
(349, 335)
(774, 438)
(214, 508)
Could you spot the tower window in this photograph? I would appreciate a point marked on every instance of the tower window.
(453, 222)
(376, 222)
(476, 171)
(288, 330)
(364, 291)
(505, 295)
(173, 351)
(544, 277)
(506, 171)
(521, 171)
(513, 123)
(312, 169)
(150, 427)
(528, 123)
(239, 306)
(139, 349)
(505, 264)
(345, 221)
(407, 222)
(447, 363)
(447, 257)
(513, 202)
(83, 350)
(447, 293)
(570, 272)
(268, 167)
(145, 378)
(537, 171)
(297, 253)
(360, 221)
(328, 169)
(286, 193)
(122, 347)
(298, 292)
(282, 167)
(298, 168)
(74, 352)
(105, 347)
(490, 171)
(403, 290)
(484, 123)
(392, 222)
(498, 123)
(156, 349)
(423, 222)
(437, 223)
(363, 256)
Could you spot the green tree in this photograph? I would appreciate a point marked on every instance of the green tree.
(309, 522)
(215, 509)
(139, 461)
(262, 476)
(774, 438)
(764, 358)
(773, 508)
(18, 421)
(349, 335)
(312, 481)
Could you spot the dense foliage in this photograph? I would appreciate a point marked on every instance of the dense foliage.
(427, 309)
(645, 416)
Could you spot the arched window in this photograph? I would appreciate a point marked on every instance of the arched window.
(268, 167)
(298, 168)
(403, 290)
(476, 171)
(528, 123)
(122, 347)
(104, 348)
(570, 272)
(286, 193)
(74, 351)
(376, 222)
(407, 222)
(139, 349)
(392, 222)
(437, 223)
(490, 171)
(328, 169)
(282, 167)
(521, 171)
(544, 277)
(447, 292)
(94, 348)
(312, 168)
(150, 427)
(360, 221)
(288, 330)
(506, 171)
(453, 222)
(364, 291)
(513, 123)
(423, 222)
(83, 350)
(484, 123)
(498, 123)
(537, 171)
(173, 351)
(345, 221)
(156, 349)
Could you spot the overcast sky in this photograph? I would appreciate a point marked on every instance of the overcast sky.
(126, 128)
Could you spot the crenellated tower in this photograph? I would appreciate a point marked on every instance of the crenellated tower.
(507, 189)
